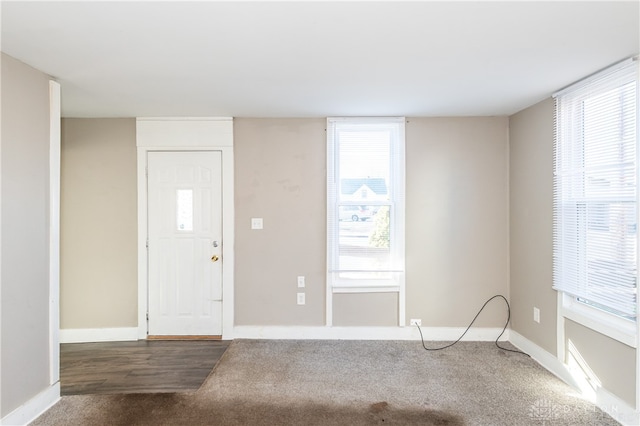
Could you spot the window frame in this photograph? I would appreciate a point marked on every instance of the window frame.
(395, 283)
(600, 319)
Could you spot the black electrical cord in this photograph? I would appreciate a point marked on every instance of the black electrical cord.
(472, 321)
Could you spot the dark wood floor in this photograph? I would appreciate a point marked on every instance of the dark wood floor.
(137, 367)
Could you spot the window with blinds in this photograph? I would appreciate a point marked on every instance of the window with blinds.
(365, 203)
(595, 209)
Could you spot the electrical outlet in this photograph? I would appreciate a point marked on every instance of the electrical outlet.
(415, 321)
(301, 281)
(256, 223)
(536, 314)
(301, 300)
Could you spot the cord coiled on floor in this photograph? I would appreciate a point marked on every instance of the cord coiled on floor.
(472, 321)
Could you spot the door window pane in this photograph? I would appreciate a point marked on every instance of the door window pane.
(184, 212)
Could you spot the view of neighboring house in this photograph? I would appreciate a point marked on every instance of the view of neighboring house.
(363, 189)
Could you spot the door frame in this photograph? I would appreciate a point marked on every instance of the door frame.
(187, 134)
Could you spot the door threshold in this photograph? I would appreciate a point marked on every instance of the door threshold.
(186, 337)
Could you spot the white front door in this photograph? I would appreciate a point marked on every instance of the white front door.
(185, 244)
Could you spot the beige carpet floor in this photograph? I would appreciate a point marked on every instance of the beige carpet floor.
(294, 382)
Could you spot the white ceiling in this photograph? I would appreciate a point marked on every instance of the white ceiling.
(315, 59)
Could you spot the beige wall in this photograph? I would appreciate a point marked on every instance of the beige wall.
(365, 309)
(24, 333)
(531, 199)
(280, 172)
(457, 220)
(531, 215)
(457, 224)
(98, 284)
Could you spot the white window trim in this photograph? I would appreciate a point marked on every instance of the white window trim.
(396, 284)
(613, 326)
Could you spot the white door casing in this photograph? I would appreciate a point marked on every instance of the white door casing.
(185, 134)
(185, 241)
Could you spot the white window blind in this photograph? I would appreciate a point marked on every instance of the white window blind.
(595, 190)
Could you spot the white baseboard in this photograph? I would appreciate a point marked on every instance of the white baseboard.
(544, 358)
(602, 398)
(85, 335)
(366, 333)
(616, 408)
(33, 408)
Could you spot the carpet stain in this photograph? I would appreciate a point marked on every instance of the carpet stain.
(379, 407)
(439, 418)
(382, 412)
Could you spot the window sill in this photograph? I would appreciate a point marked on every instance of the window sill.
(624, 331)
(366, 289)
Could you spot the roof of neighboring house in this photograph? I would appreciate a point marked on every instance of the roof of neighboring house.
(377, 185)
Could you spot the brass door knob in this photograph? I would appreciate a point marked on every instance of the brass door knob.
(214, 258)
